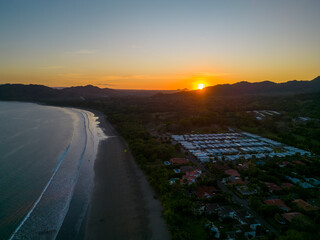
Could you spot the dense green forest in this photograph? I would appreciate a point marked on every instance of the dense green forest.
(197, 112)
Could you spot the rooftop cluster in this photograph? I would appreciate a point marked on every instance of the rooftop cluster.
(233, 146)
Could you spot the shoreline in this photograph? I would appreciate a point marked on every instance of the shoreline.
(122, 204)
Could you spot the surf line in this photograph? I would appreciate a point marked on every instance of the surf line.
(61, 158)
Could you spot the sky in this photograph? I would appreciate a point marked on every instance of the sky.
(153, 44)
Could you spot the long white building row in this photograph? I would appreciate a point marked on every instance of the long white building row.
(233, 146)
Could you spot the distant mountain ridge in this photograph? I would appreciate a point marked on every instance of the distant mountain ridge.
(32, 92)
(266, 87)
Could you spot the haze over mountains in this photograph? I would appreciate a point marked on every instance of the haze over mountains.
(39, 92)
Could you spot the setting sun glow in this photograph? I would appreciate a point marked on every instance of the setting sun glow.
(201, 86)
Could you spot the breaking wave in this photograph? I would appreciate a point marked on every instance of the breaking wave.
(47, 214)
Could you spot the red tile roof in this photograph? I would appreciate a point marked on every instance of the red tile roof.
(232, 172)
(305, 206)
(191, 176)
(205, 191)
(277, 202)
(195, 172)
(299, 162)
(273, 187)
(179, 160)
(290, 216)
(237, 180)
(190, 179)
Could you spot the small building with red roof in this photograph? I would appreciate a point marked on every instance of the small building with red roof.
(287, 185)
(196, 173)
(232, 172)
(191, 176)
(305, 206)
(236, 180)
(205, 192)
(277, 202)
(273, 187)
(291, 215)
(299, 162)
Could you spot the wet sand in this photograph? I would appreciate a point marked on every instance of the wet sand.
(122, 205)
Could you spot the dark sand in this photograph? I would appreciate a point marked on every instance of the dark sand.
(122, 205)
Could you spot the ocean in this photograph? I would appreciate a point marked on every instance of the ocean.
(46, 170)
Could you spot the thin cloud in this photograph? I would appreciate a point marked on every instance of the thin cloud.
(81, 52)
(106, 84)
(52, 67)
(210, 74)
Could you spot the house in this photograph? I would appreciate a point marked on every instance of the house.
(188, 179)
(236, 180)
(289, 216)
(273, 187)
(195, 172)
(294, 180)
(305, 206)
(287, 185)
(179, 161)
(277, 202)
(299, 162)
(205, 191)
(232, 172)
(245, 191)
(212, 208)
(313, 181)
(191, 176)
(226, 211)
(305, 185)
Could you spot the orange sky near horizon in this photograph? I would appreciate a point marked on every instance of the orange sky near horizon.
(147, 82)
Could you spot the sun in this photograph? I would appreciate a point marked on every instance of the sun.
(200, 86)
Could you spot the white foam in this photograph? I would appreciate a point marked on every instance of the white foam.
(51, 219)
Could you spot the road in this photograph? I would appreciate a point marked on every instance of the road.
(242, 202)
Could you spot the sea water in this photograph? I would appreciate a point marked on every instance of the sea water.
(46, 163)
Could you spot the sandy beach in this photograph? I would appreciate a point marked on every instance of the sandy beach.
(122, 204)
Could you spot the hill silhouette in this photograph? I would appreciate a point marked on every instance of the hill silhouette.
(266, 87)
(32, 92)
